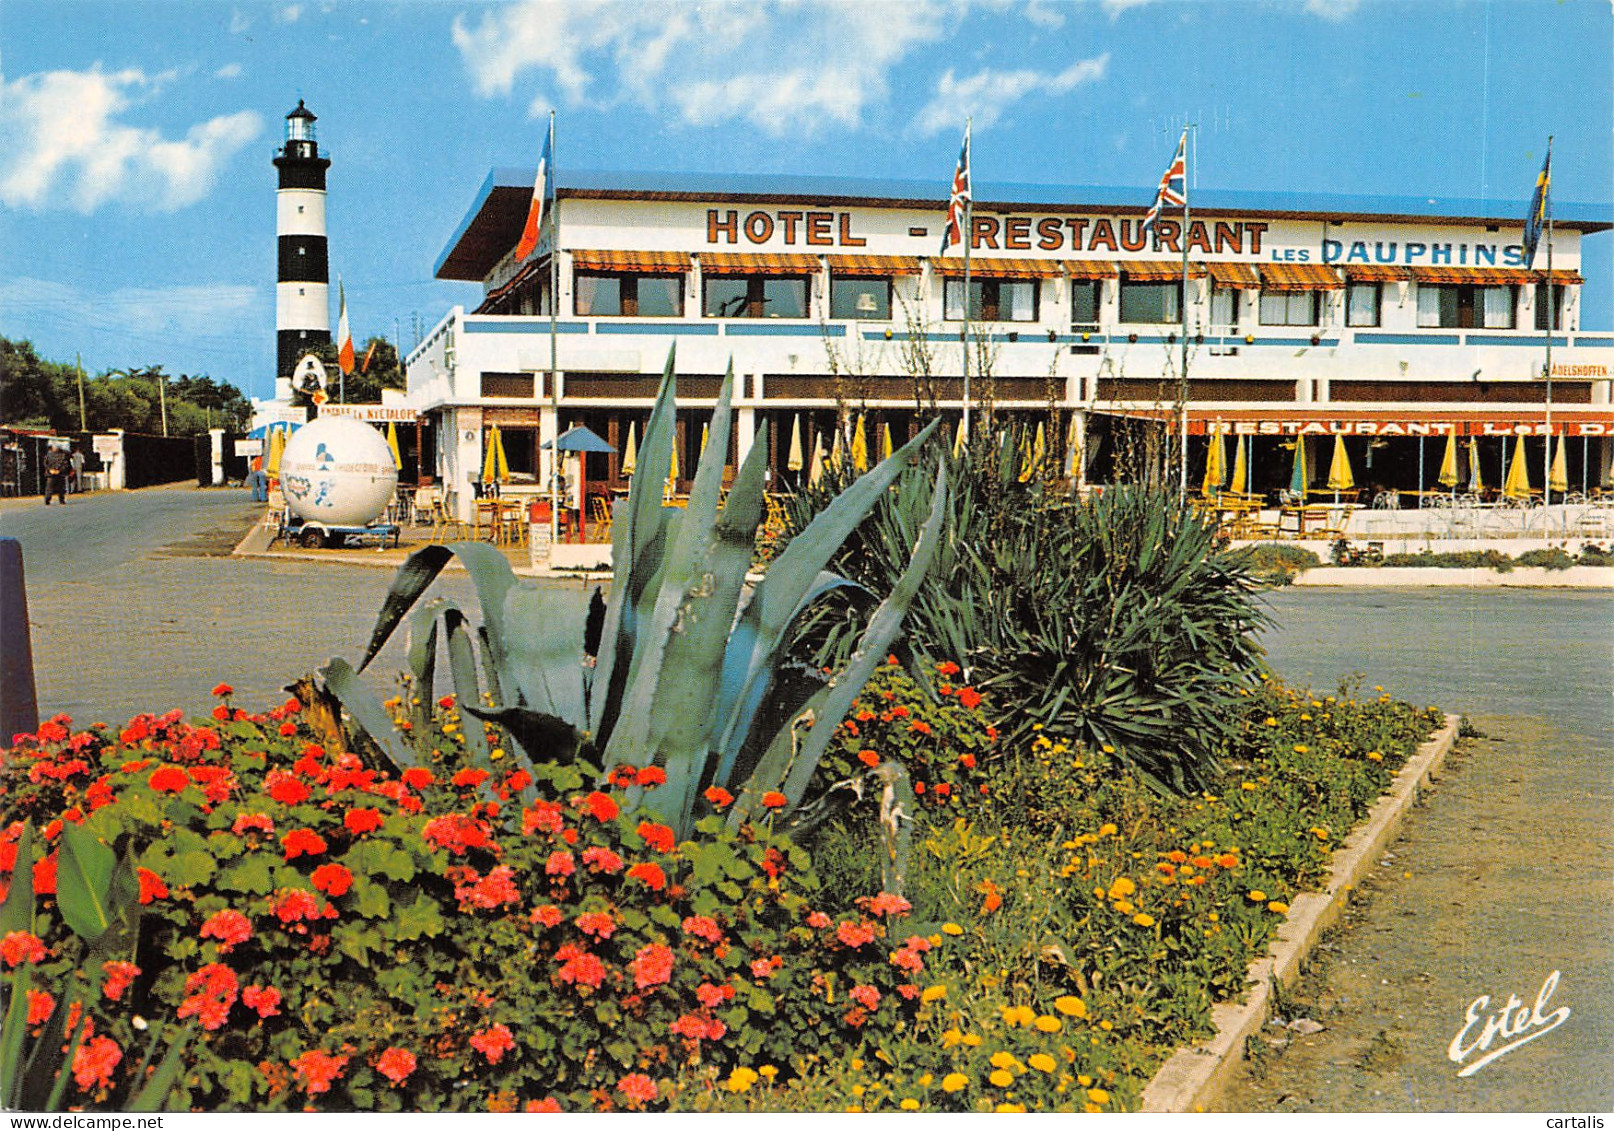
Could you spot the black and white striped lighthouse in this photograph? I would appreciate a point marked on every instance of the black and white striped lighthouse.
(302, 293)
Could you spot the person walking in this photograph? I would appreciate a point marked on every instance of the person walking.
(57, 465)
(76, 459)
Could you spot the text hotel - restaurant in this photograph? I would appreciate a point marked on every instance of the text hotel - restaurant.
(1393, 322)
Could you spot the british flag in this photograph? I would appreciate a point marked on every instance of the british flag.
(1173, 186)
(953, 230)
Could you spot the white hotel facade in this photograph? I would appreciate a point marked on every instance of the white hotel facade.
(1392, 322)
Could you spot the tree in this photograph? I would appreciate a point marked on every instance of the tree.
(364, 384)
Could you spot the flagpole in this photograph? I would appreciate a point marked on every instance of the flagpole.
(1182, 385)
(554, 308)
(969, 224)
(1552, 310)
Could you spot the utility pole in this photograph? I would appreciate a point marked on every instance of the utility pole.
(79, 359)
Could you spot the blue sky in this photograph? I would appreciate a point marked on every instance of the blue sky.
(137, 195)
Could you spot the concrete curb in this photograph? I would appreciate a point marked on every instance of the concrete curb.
(1195, 1077)
(258, 540)
(1431, 577)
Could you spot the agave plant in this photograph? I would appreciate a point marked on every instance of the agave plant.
(681, 667)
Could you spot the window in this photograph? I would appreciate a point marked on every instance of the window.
(1084, 296)
(992, 300)
(1557, 294)
(1362, 304)
(651, 296)
(1288, 308)
(1465, 307)
(756, 296)
(1151, 302)
(858, 296)
(1224, 308)
(507, 385)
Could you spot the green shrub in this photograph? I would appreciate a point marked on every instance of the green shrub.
(1118, 622)
(1554, 558)
(1277, 563)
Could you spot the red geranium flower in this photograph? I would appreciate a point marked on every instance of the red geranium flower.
(395, 1064)
(168, 779)
(223, 689)
(773, 799)
(651, 775)
(294, 905)
(652, 966)
(209, 994)
(868, 758)
(549, 915)
(118, 977)
(969, 697)
(494, 1043)
(470, 778)
(360, 821)
(247, 822)
(22, 946)
(264, 999)
(659, 837)
(866, 996)
(285, 788)
(854, 934)
(40, 1006)
(947, 667)
(560, 863)
(230, 928)
(596, 923)
(650, 874)
(638, 1088)
(332, 879)
(418, 777)
(300, 841)
(600, 806)
(151, 885)
(94, 1061)
(703, 927)
(316, 1070)
(600, 859)
(718, 797)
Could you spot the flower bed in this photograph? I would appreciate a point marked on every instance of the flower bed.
(322, 934)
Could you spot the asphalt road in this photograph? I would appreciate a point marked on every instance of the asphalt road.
(135, 605)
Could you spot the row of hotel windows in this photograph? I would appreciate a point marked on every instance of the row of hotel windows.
(1440, 305)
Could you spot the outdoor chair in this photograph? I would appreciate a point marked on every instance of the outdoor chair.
(599, 518)
(423, 508)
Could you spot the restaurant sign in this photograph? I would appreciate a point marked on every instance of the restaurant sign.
(371, 412)
(1402, 427)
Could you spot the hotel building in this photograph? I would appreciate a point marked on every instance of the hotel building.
(1392, 322)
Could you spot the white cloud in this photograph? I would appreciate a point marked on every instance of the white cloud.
(199, 313)
(985, 95)
(1043, 14)
(228, 71)
(1332, 10)
(240, 24)
(783, 65)
(290, 14)
(66, 145)
(1114, 8)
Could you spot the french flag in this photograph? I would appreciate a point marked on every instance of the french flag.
(540, 193)
(1173, 186)
(953, 231)
(344, 336)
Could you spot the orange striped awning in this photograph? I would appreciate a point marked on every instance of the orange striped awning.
(667, 262)
(1299, 277)
(757, 263)
(866, 265)
(1564, 278)
(1159, 270)
(1089, 268)
(1376, 273)
(1475, 276)
(952, 268)
(1236, 275)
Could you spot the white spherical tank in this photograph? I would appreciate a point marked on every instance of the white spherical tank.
(339, 471)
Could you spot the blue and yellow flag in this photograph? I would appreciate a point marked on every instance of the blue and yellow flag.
(1540, 205)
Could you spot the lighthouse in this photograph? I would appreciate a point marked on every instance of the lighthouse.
(302, 291)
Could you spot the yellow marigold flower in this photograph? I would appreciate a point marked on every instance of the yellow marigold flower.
(933, 993)
(1106, 1026)
(1305, 718)
(1049, 1024)
(952, 929)
(1085, 1080)
(858, 1089)
(1071, 1006)
(1271, 722)
(1098, 1095)
(1001, 1078)
(1042, 1062)
(1374, 756)
(1258, 896)
(1213, 917)
(742, 1078)
(955, 1082)
(1143, 919)
(1320, 833)
(768, 1072)
(1300, 748)
(909, 1104)
(1090, 1109)
(1009, 1109)
(1020, 1015)
(1248, 785)
(496, 754)
(972, 1039)
(857, 1064)
(951, 1037)
(1003, 1059)
(924, 1080)
(1122, 887)
(1107, 829)
(1278, 906)
(1108, 749)
(1124, 906)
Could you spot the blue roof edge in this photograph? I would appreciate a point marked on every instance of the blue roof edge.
(754, 184)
